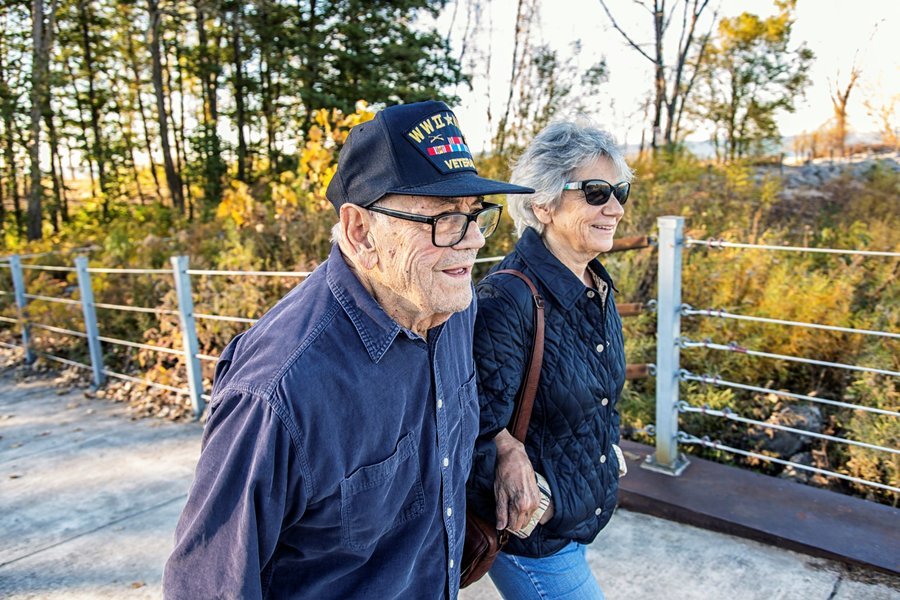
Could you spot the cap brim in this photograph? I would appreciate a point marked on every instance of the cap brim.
(467, 185)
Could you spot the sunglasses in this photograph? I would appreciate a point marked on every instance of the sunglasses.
(598, 191)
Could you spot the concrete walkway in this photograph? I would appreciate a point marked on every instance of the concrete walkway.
(89, 500)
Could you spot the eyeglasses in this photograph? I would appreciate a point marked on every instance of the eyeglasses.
(449, 229)
(598, 191)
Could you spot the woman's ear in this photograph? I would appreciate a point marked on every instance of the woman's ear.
(543, 213)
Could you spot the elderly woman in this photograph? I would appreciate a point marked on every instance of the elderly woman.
(582, 184)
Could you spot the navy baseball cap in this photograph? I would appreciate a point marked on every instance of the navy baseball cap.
(412, 149)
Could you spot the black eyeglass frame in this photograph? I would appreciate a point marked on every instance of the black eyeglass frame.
(486, 206)
(613, 189)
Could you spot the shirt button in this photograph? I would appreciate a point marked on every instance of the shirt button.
(440, 403)
(446, 462)
(590, 293)
(451, 563)
(599, 347)
(602, 458)
(604, 402)
(598, 511)
(449, 512)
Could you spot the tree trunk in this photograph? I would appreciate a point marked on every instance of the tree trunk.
(309, 70)
(839, 100)
(55, 155)
(82, 125)
(99, 150)
(522, 26)
(132, 59)
(2, 205)
(7, 132)
(13, 179)
(55, 173)
(269, 112)
(173, 179)
(678, 94)
(180, 145)
(240, 117)
(213, 166)
(660, 70)
(47, 111)
(731, 131)
(36, 192)
(127, 134)
(176, 123)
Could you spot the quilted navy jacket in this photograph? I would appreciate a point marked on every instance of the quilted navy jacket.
(575, 421)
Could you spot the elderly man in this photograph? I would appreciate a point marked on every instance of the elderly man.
(341, 427)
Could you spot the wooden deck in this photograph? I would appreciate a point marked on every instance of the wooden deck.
(767, 509)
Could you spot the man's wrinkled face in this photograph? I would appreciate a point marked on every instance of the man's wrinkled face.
(426, 280)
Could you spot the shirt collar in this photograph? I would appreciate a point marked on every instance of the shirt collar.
(376, 329)
(558, 280)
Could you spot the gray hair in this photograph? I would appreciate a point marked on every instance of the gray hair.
(553, 156)
(337, 233)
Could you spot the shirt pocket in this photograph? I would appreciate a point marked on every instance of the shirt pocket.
(469, 420)
(380, 497)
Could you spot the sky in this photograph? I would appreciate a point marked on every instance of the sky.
(837, 31)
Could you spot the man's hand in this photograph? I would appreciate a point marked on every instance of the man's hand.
(515, 488)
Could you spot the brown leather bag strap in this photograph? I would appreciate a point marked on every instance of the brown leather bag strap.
(525, 396)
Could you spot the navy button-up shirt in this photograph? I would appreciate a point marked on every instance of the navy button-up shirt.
(335, 457)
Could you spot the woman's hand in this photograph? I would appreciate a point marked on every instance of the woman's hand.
(515, 487)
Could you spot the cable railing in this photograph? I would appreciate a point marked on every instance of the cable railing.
(667, 369)
(719, 243)
(189, 354)
(728, 413)
(716, 381)
(56, 329)
(47, 268)
(688, 311)
(225, 318)
(52, 299)
(686, 438)
(138, 309)
(249, 273)
(734, 347)
(669, 374)
(91, 333)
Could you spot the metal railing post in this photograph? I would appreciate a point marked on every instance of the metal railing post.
(15, 267)
(90, 319)
(188, 332)
(668, 329)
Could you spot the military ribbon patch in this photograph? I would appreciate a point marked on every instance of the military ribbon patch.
(439, 139)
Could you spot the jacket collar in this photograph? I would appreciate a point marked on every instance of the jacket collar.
(376, 329)
(557, 279)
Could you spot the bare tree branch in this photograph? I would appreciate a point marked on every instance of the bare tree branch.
(701, 54)
(631, 42)
(643, 5)
(671, 14)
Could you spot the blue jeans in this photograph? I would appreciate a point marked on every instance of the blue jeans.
(564, 575)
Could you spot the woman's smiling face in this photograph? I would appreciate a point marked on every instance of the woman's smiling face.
(587, 230)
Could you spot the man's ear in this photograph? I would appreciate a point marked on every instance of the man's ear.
(356, 228)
